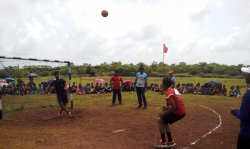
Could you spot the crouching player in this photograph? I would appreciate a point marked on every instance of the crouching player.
(174, 111)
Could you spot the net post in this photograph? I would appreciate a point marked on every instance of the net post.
(70, 86)
(1, 112)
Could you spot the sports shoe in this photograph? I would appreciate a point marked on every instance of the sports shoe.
(59, 114)
(171, 144)
(161, 144)
(139, 106)
(120, 103)
(144, 107)
(69, 113)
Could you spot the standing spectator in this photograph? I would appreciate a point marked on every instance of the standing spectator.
(243, 115)
(170, 73)
(117, 85)
(141, 80)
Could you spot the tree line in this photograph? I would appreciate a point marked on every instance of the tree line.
(200, 69)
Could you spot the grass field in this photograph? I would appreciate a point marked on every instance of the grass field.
(93, 119)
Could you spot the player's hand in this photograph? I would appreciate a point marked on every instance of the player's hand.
(164, 108)
(232, 111)
(161, 115)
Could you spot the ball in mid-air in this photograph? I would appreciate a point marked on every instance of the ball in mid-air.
(105, 13)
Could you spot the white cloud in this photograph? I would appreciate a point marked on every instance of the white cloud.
(134, 31)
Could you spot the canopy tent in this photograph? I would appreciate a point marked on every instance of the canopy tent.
(214, 83)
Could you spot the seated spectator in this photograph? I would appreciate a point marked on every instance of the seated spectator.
(88, 89)
(40, 89)
(33, 89)
(201, 90)
(237, 91)
(214, 91)
(231, 91)
(153, 88)
(27, 89)
(4, 90)
(191, 88)
(161, 88)
(224, 91)
(21, 89)
(127, 87)
(92, 89)
(107, 88)
(102, 89)
(79, 91)
(185, 89)
(81, 86)
(207, 90)
(157, 88)
(74, 87)
(188, 85)
(132, 88)
(97, 89)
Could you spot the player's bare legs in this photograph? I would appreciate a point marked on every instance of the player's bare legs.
(63, 105)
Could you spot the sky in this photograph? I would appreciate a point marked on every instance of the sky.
(134, 31)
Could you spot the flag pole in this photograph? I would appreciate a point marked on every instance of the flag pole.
(163, 62)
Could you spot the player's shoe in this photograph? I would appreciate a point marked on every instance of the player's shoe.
(139, 106)
(161, 144)
(69, 113)
(171, 144)
(59, 114)
(120, 104)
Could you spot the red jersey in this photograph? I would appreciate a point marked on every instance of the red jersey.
(116, 81)
(173, 96)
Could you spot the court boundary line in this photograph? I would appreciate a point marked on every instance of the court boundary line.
(193, 143)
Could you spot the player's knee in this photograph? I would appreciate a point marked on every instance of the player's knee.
(160, 120)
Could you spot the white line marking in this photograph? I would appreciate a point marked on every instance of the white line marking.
(193, 143)
(115, 131)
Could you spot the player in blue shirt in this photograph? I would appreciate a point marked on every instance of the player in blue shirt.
(141, 80)
(244, 115)
(61, 92)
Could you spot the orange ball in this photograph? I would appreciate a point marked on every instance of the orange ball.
(105, 13)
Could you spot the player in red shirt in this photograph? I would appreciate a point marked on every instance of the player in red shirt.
(117, 85)
(174, 111)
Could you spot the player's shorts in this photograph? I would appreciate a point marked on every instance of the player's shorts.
(62, 98)
(172, 118)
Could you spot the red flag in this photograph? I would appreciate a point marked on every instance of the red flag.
(165, 49)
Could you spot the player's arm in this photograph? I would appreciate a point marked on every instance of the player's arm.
(48, 88)
(121, 83)
(170, 110)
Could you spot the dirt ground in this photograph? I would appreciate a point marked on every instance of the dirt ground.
(93, 127)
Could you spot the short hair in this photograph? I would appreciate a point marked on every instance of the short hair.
(56, 72)
(167, 82)
(141, 68)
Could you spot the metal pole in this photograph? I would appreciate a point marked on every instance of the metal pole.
(70, 86)
(1, 113)
(18, 71)
(163, 62)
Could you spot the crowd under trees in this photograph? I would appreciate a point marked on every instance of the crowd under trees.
(200, 69)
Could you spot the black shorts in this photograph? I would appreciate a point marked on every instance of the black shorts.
(172, 118)
(62, 98)
(243, 142)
